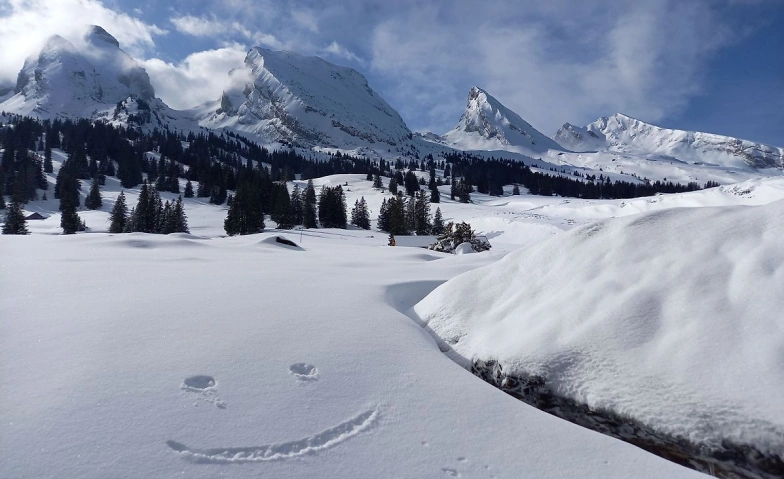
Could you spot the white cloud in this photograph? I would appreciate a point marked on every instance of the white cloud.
(337, 50)
(197, 26)
(200, 77)
(549, 63)
(26, 24)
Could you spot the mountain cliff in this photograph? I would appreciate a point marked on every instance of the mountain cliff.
(305, 101)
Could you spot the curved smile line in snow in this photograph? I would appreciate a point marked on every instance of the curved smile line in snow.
(271, 452)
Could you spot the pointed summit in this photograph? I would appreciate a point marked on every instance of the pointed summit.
(63, 80)
(486, 124)
(98, 34)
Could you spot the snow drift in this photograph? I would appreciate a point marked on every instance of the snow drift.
(672, 318)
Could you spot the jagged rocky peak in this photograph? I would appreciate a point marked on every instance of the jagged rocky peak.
(578, 138)
(488, 124)
(306, 101)
(96, 33)
(76, 80)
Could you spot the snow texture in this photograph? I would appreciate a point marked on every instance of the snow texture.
(669, 317)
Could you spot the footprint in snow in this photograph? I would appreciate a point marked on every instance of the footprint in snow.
(304, 371)
(205, 387)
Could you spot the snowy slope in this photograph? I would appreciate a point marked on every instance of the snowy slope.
(306, 101)
(486, 124)
(137, 356)
(624, 134)
(671, 318)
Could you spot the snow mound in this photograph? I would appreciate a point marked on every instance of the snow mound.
(281, 242)
(672, 318)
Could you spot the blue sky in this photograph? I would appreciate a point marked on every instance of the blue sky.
(706, 65)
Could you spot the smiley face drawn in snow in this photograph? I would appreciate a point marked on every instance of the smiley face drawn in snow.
(207, 387)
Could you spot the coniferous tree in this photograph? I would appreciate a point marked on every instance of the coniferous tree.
(119, 215)
(411, 183)
(435, 195)
(48, 167)
(189, 189)
(15, 222)
(2, 200)
(245, 214)
(383, 216)
(393, 185)
(167, 220)
(422, 222)
(516, 190)
(438, 223)
(70, 221)
(309, 206)
(181, 219)
(281, 213)
(360, 216)
(297, 206)
(377, 182)
(93, 200)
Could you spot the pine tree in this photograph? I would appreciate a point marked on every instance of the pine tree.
(119, 215)
(15, 222)
(516, 190)
(309, 206)
(422, 224)
(297, 206)
(435, 195)
(377, 182)
(93, 200)
(69, 220)
(383, 216)
(281, 213)
(393, 185)
(360, 216)
(188, 189)
(245, 214)
(438, 223)
(2, 200)
(181, 219)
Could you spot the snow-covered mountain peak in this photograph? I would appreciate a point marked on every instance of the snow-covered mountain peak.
(96, 35)
(486, 124)
(305, 101)
(624, 134)
(66, 80)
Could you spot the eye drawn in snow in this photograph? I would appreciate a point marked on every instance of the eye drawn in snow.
(271, 452)
(304, 371)
(205, 387)
(199, 382)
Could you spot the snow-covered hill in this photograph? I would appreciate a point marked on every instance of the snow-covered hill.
(671, 318)
(305, 101)
(624, 134)
(486, 124)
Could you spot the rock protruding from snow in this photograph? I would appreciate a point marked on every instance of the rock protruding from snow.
(486, 124)
(305, 101)
(622, 133)
(66, 81)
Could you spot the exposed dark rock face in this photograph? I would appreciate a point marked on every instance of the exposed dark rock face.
(731, 461)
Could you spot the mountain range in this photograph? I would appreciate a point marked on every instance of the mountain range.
(281, 97)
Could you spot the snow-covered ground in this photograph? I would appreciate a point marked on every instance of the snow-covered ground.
(198, 355)
(671, 317)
